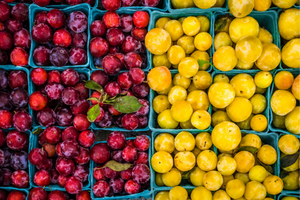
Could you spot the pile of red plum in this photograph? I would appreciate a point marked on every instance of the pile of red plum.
(60, 98)
(15, 40)
(62, 39)
(119, 183)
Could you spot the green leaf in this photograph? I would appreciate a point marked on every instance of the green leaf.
(94, 99)
(221, 23)
(244, 134)
(186, 175)
(202, 62)
(267, 167)
(283, 174)
(189, 190)
(92, 85)
(289, 160)
(37, 131)
(248, 148)
(126, 104)
(117, 166)
(93, 113)
(118, 95)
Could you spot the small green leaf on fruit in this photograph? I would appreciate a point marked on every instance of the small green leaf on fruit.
(38, 131)
(189, 191)
(93, 99)
(118, 95)
(267, 167)
(283, 174)
(92, 85)
(203, 62)
(126, 104)
(93, 113)
(221, 23)
(243, 133)
(289, 160)
(252, 150)
(117, 166)
(186, 175)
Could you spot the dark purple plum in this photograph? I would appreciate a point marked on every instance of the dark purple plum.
(19, 160)
(19, 97)
(46, 117)
(5, 102)
(59, 56)
(64, 116)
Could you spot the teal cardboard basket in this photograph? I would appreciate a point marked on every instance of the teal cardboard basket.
(195, 9)
(9, 64)
(188, 188)
(284, 194)
(115, 128)
(267, 138)
(11, 187)
(162, 6)
(295, 72)
(287, 192)
(266, 94)
(98, 14)
(62, 6)
(184, 183)
(270, 139)
(176, 15)
(267, 19)
(146, 193)
(153, 125)
(10, 68)
(58, 6)
(33, 88)
(281, 40)
(34, 9)
(35, 144)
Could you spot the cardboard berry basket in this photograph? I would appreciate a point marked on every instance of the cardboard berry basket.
(285, 194)
(184, 182)
(176, 15)
(188, 188)
(115, 128)
(195, 8)
(270, 139)
(162, 6)
(34, 88)
(10, 68)
(295, 72)
(266, 94)
(34, 9)
(282, 41)
(284, 191)
(267, 19)
(97, 14)
(35, 144)
(11, 187)
(153, 115)
(55, 5)
(146, 193)
(9, 64)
